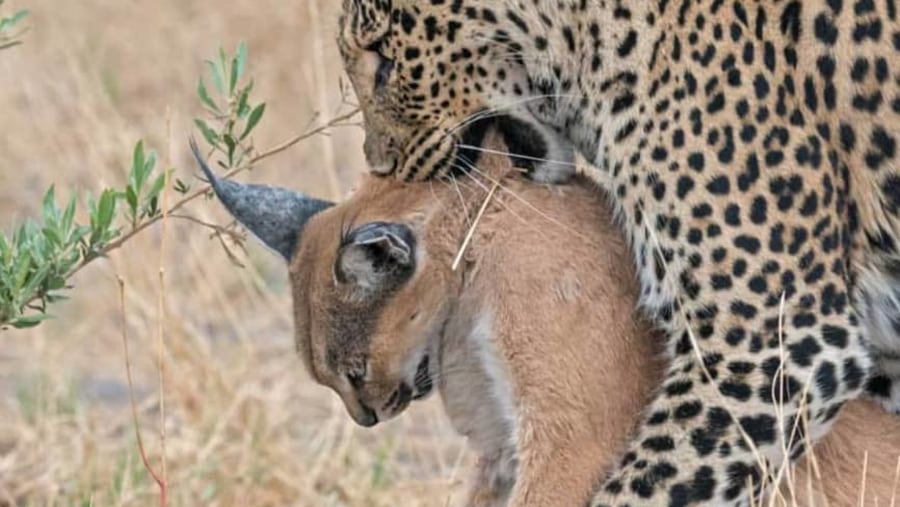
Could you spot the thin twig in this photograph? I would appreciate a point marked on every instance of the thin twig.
(216, 228)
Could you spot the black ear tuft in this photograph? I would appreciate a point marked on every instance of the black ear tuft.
(376, 257)
(274, 215)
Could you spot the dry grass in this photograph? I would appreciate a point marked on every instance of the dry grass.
(244, 424)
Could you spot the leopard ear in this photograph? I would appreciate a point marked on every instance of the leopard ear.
(276, 216)
(370, 19)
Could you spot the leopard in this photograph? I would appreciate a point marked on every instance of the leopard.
(526, 367)
(531, 448)
(750, 155)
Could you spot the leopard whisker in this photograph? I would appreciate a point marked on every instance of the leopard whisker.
(509, 154)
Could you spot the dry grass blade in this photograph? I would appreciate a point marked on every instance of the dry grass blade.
(471, 231)
(160, 481)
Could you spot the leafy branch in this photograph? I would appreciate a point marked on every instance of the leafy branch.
(236, 117)
(40, 258)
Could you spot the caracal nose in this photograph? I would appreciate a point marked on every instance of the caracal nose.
(365, 416)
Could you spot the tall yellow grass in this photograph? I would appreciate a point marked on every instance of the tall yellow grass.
(245, 426)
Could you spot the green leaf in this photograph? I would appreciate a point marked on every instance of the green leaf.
(241, 59)
(181, 187)
(243, 108)
(132, 199)
(68, 217)
(209, 134)
(151, 209)
(150, 164)
(157, 186)
(20, 270)
(232, 83)
(48, 205)
(204, 96)
(5, 249)
(232, 144)
(35, 281)
(53, 236)
(28, 321)
(139, 167)
(79, 233)
(7, 23)
(106, 208)
(215, 77)
(255, 116)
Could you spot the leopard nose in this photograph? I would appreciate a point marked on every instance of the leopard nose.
(380, 154)
(384, 166)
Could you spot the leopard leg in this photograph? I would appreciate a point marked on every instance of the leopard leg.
(725, 419)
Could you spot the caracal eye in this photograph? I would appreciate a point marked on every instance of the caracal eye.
(356, 378)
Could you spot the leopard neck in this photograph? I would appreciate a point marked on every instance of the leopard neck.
(593, 65)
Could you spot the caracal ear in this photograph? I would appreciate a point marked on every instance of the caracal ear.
(375, 257)
(276, 216)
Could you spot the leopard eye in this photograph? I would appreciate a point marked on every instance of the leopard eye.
(383, 74)
(385, 65)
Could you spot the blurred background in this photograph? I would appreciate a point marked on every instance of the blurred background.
(245, 425)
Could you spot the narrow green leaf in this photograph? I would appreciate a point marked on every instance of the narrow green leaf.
(137, 166)
(243, 107)
(149, 164)
(204, 96)
(79, 233)
(181, 187)
(231, 144)
(20, 270)
(254, 118)
(241, 59)
(7, 23)
(215, 77)
(30, 289)
(53, 236)
(68, 217)
(223, 68)
(92, 210)
(56, 298)
(5, 249)
(232, 82)
(209, 134)
(107, 208)
(132, 199)
(157, 186)
(48, 205)
(28, 321)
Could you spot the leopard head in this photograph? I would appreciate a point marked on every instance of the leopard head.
(431, 77)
